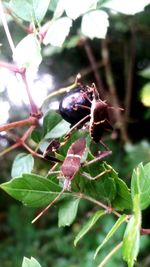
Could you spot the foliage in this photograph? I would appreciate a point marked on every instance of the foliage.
(106, 193)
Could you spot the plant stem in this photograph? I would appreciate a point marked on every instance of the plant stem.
(115, 249)
(11, 67)
(113, 92)
(30, 121)
(94, 67)
(4, 22)
(99, 203)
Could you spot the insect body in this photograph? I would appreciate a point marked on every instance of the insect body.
(69, 168)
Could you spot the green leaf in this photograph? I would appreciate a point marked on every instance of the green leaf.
(68, 211)
(123, 197)
(30, 10)
(51, 119)
(76, 8)
(22, 163)
(30, 262)
(33, 190)
(145, 95)
(140, 184)
(111, 232)
(88, 225)
(56, 37)
(94, 24)
(28, 52)
(36, 135)
(145, 73)
(59, 130)
(131, 240)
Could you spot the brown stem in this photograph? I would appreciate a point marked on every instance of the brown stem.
(94, 67)
(129, 75)
(113, 92)
(30, 121)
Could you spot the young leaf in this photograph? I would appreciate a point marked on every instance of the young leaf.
(23, 163)
(33, 190)
(111, 233)
(56, 37)
(140, 184)
(145, 73)
(68, 211)
(30, 10)
(30, 262)
(28, 52)
(94, 24)
(88, 225)
(131, 240)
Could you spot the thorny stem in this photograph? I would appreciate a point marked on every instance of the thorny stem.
(109, 255)
(94, 67)
(4, 21)
(113, 92)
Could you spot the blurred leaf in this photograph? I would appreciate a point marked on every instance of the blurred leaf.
(88, 225)
(56, 37)
(134, 157)
(111, 232)
(127, 7)
(33, 190)
(145, 73)
(30, 10)
(22, 163)
(145, 95)
(51, 119)
(28, 52)
(140, 184)
(59, 130)
(30, 262)
(76, 8)
(68, 211)
(131, 240)
(94, 24)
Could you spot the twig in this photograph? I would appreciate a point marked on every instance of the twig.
(113, 92)
(129, 75)
(94, 67)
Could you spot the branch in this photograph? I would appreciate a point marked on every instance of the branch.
(92, 61)
(26, 122)
(113, 92)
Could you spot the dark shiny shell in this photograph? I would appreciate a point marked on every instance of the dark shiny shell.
(69, 108)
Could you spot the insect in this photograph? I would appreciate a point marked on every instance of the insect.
(96, 112)
(71, 166)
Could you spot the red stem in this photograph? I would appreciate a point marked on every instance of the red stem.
(30, 121)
